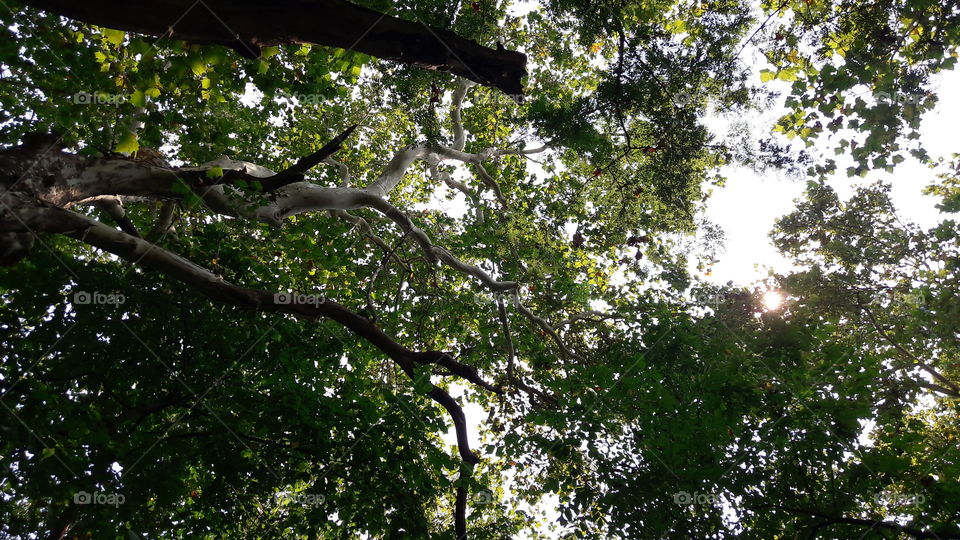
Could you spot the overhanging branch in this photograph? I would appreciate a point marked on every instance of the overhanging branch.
(248, 25)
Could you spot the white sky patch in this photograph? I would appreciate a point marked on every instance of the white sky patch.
(749, 204)
(251, 96)
(521, 9)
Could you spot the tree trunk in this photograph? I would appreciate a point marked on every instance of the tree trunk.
(248, 25)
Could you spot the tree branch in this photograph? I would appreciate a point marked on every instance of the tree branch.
(512, 378)
(296, 171)
(545, 326)
(112, 207)
(143, 253)
(248, 25)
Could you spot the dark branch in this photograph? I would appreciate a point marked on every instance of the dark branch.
(145, 254)
(295, 173)
(308, 162)
(460, 508)
(248, 25)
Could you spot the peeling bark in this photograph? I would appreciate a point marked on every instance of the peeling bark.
(247, 26)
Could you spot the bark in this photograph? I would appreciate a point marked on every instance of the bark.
(114, 208)
(460, 508)
(62, 179)
(247, 26)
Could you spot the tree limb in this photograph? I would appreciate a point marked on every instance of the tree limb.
(112, 207)
(143, 253)
(295, 172)
(248, 25)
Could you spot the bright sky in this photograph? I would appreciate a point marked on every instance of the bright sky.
(748, 205)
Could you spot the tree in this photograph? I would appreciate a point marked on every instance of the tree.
(263, 328)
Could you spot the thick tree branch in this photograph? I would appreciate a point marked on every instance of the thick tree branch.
(79, 178)
(460, 507)
(456, 108)
(248, 25)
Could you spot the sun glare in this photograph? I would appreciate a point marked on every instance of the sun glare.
(772, 300)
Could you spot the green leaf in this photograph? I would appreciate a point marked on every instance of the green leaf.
(787, 75)
(421, 380)
(114, 36)
(197, 66)
(137, 99)
(128, 143)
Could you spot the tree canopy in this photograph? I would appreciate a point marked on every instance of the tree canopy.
(432, 270)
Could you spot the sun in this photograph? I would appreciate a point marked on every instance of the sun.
(772, 300)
